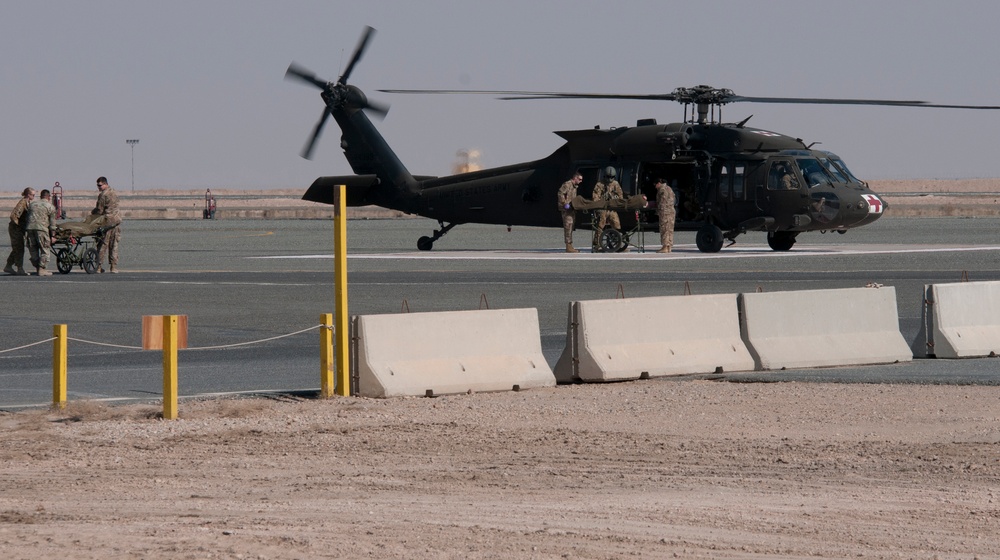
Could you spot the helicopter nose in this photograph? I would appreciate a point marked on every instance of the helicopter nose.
(869, 208)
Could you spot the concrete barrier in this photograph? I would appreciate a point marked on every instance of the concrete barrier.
(819, 328)
(416, 354)
(619, 339)
(959, 320)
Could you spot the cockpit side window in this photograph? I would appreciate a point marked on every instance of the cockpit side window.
(813, 172)
(782, 177)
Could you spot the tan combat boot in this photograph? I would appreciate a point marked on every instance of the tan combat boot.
(663, 249)
(43, 272)
(571, 249)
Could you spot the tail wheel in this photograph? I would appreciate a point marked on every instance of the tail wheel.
(611, 241)
(64, 260)
(90, 262)
(709, 239)
(781, 240)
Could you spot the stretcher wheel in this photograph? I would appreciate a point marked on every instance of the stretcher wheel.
(90, 263)
(611, 241)
(64, 260)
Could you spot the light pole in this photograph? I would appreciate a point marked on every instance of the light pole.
(132, 144)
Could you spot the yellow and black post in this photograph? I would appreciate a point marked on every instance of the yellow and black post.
(326, 355)
(170, 367)
(59, 363)
(341, 346)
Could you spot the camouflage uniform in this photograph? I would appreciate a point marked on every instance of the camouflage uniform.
(567, 192)
(41, 226)
(107, 205)
(665, 208)
(609, 191)
(18, 221)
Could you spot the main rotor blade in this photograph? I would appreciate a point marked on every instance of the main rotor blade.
(358, 51)
(307, 150)
(300, 73)
(710, 95)
(512, 95)
(824, 101)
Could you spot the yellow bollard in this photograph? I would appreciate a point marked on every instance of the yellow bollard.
(340, 290)
(326, 355)
(170, 367)
(59, 363)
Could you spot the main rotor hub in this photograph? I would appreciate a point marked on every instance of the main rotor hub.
(706, 95)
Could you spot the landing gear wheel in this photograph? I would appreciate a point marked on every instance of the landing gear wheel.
(709, 239)
(64, 261)
(611, 241)
(781, 240)
(90, 263)
(425, 243)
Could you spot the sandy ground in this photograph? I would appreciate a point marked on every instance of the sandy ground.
(649, 469)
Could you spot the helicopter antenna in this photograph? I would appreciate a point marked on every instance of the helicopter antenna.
(743, 122)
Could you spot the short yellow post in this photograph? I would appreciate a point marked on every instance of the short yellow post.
(170, 367)
(340, 289)
(59, 362)
(326, 355)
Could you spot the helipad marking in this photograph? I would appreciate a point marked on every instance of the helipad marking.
(684, 252)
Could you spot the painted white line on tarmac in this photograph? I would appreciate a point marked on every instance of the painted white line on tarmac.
(682, 252)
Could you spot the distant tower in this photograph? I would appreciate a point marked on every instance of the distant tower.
(132, 144)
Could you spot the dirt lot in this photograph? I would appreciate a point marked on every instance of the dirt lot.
(651, 469)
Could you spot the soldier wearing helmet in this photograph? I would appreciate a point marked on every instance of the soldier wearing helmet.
(608, 189)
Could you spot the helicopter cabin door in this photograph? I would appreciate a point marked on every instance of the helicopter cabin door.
(784, 194)
(734, 195)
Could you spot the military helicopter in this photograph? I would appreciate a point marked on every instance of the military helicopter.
(729, 179)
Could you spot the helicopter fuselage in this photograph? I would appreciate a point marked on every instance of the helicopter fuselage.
(728, 179)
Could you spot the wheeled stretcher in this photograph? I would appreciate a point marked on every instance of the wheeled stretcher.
(611, 240)
(77, 243)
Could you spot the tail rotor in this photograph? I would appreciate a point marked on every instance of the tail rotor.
(337, 95)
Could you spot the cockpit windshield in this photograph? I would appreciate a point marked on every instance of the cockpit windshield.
(834, 170)
(843, 167)
(813, 172)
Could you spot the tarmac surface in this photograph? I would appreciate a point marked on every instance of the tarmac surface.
(245, 281)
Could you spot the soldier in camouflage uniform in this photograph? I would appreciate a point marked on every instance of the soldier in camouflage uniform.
(18, 221)
(665, 208)
(567, 192)
(107, 206)
(41, 227)
(607, 190)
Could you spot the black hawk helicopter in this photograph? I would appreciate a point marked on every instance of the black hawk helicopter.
(728, 178)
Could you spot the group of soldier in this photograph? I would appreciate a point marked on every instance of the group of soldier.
(610, 189)
(33, 224)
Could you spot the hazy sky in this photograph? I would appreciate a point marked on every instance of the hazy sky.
(200, 83)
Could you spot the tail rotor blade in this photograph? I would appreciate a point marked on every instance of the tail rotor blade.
(297, 72)
(379, 109)
(308, 149)
(358, 51)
